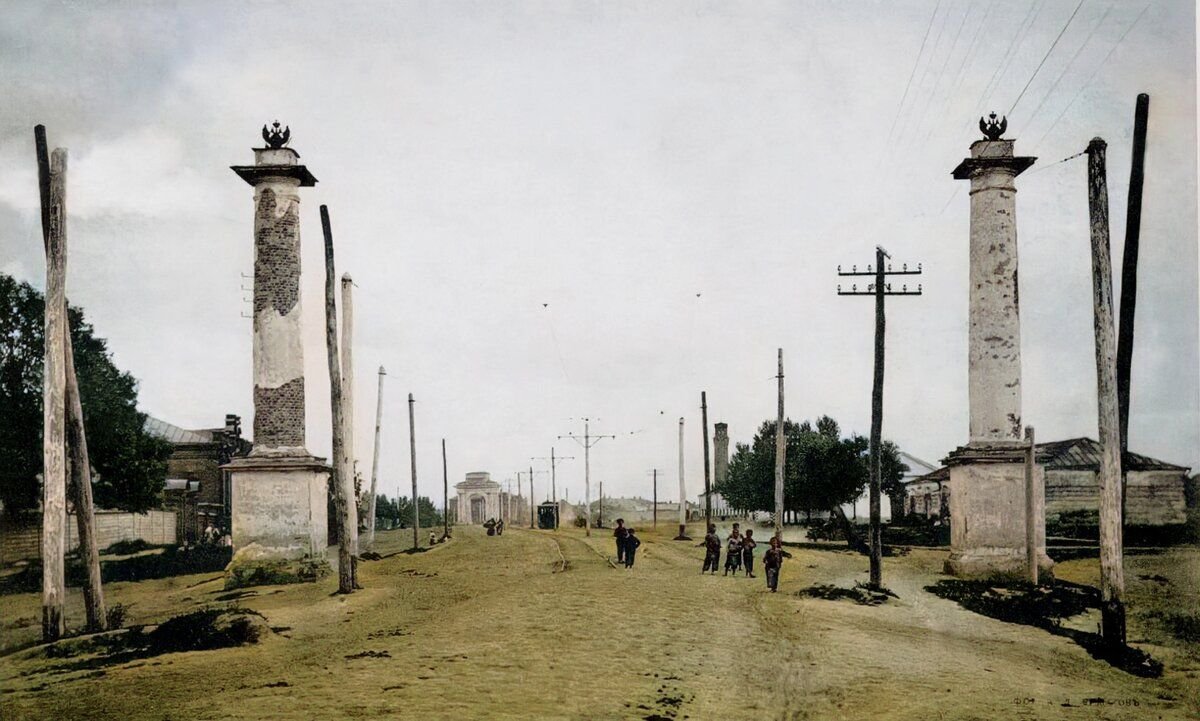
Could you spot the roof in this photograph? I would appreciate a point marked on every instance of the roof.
(175, 434)
(916, 466)
(1073, 453)
(478, 480)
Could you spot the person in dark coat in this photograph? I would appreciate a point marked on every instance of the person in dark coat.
(773, 561)
(621, 533)
(748, 546)
(631, 546)
(500, 527)
(712, 550)
(490, 526)
(733, 553)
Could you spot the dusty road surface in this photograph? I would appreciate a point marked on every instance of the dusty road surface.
(538, 625)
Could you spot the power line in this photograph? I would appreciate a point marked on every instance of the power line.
(1046, 56)
(1006, 59)
(936, 41)
(912, 74)
(1071, 62)
(942, 73)
(1094, 73)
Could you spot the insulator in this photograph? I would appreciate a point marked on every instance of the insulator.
(904, 267)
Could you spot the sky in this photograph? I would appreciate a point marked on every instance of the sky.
(566, 210)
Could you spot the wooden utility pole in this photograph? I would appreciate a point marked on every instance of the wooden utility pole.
(1031, 545)
(600, 524)
(54, 470)
(1112, 575)
(879, 289)
(780, 454)
(683, 536)
(1129, 260)
(654, 473)
(412, 452)
(375, 460)
(53, 201)
(531, 514)
(587, 442)
(707, 463)
(445, 495)
(343, 478)
(347, 349)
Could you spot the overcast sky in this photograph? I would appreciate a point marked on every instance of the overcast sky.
(677, 181)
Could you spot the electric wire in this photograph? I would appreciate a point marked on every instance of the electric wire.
(1045, 57)
(1071, 62)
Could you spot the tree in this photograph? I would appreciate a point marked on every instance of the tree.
(823, 470)
(130, 464)
(891, 472)
(399, 511)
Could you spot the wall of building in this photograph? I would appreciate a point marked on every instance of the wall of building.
(21, 535)
(1152, 497)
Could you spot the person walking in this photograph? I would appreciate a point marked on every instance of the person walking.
(632, 542)
(748, 546)
(712, 549)
(772, 562)
(621, 533)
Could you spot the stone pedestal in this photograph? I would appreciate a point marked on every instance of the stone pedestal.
(987, 512)
(279, 507)
(987, 476)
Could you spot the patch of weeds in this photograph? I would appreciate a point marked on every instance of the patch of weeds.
(370, 556)
(128, 547)
(861, 593)
(115, 615)
(1181, 626)
(370, 654)
(171, 561)
(275, 572)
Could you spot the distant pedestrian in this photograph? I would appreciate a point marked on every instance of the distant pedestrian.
(712, 550)
(432, 538)
(632, 542)
(733, 553)
(500, 527)
(621, 533)
(773, 561)
(490, 526)
(748, 546)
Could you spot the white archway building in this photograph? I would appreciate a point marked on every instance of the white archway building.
(478, 498)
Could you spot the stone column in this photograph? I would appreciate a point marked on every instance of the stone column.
(721, 448)
(279, 490)
(987, 481)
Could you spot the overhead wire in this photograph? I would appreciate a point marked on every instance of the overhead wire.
(1071, 62)
(924, 74)
(911, 75)
(937, 83)
(1045, 57)
(1095, 72)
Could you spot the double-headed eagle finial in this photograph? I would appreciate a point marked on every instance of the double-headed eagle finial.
(993, 129)
(277, 138)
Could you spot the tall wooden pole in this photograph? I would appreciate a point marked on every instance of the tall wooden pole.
(682, 493)
(1031, 549)
(80, 481)
(347, 349)
(1112, 574)
(375, 460)
(531, 496)
(600, 523)
(343, 481)
(587, 479)
(656, 498)
(1129, 260)
(707, 464)
(445, 495)
(54, 471)
(877, 426)
(554, 486)
(412, 452)
(780, 455)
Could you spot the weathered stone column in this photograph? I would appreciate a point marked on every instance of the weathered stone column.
(987, 482)
(721, 448)
(279, 490)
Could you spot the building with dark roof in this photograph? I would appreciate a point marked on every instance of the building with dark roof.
(1154, 495)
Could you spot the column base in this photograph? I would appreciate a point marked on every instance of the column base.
(278, 507)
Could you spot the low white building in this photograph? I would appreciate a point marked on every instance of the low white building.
(478, 499)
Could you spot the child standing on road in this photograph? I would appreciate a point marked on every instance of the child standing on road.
(631, 546)
(773, 561)
(748, 546)
(733, 553)
(621, 533)
(712, 549)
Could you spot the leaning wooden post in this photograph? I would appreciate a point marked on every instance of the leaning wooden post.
(445, 495)
(412, 451)
(1031, 547)
(53, 193)
(54, 471)
(780, 455)
(342, 478)
(707, 464)
(375, 461)
(1112, 574)
(683, 536)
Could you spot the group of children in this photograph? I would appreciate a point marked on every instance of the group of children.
(627, 543)
(740, 552)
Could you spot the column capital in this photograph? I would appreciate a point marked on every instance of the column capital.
(987, 154)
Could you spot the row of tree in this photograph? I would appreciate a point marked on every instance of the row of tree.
(130, 463)
(822, 471)
(399, 511)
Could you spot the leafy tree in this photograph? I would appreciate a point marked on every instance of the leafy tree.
(130, 464)
(399, 511)
(822, 469)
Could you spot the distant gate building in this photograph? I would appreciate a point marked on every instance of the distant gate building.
(478, 499)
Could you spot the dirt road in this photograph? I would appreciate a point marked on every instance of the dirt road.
(497, 628)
